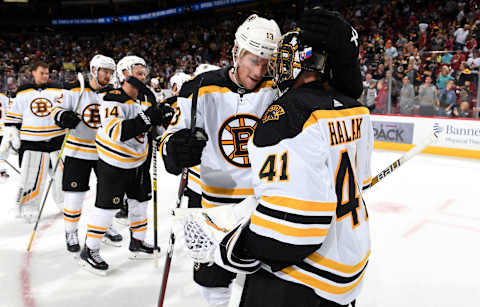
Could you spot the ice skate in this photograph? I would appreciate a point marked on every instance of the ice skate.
(91, 260)
(112, 237)
(140, 250)
(71, 239)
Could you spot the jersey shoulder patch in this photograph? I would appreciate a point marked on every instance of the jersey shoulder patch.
(285, 118)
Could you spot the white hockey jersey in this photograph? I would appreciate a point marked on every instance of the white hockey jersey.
(309, 160)
(32, 108)
(229, 116)
(3, 106)
(81, 140)
(116, 108)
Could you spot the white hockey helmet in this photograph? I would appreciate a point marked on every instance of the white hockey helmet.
(127, 63)
(178, 78)
(204, 68)
(101, 61)
(257, 35)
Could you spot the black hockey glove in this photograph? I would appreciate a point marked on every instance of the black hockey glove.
(186, 147)
(160, 115)
(329, 31)
(67, 119)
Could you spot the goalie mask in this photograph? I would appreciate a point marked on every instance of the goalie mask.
(292, 57)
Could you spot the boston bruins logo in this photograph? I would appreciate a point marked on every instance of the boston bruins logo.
(41, 107)
(91, 116)
(233, 137)
(273, 113)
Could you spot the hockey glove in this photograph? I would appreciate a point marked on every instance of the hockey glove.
(205, 229)
(329, 31)
(10, 141)
(186, 147)
(67, 119)
(161, 115)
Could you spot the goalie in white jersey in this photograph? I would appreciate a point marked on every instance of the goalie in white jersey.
(31, 130)
(305, 241)
(81, 155)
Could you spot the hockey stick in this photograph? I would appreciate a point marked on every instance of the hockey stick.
(155, 223)
(82, 90)
(12, 167)
(400, 161)
(181, 189)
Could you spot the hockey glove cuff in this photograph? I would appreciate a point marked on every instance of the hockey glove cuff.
(186, 147)
(67, 119)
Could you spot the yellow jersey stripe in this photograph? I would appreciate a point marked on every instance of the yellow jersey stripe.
(75, 139)
(77, 148)
(340, 267)
(288, 230)
(206, 204)
(14, 114)
(320, 285)
(117, 147)
(138, 223)
(41, 128)
(226, 191)
(367, 180)
(119, 158)
(322, 114)
(298, 204)
(72, 212)
(43, 133)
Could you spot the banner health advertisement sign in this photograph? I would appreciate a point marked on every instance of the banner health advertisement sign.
(394, 132)
(463, 134)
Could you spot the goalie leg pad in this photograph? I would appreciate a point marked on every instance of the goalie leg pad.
(32, 183)
(57, 193)
(137, 215)
(72, 210)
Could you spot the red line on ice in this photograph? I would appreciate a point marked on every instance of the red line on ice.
(28, 298)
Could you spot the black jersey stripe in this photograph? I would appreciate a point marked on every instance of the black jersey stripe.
(329, 275)
(294, 218)
(223, 200)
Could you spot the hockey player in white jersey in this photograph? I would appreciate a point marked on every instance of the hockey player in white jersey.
(31, 130)
(122, 146)
(230, 103)
(306, 241)
(3, 106)
(80, 152)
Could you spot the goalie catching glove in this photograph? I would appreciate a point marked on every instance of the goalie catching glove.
(205, 229)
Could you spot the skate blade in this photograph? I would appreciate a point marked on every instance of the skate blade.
(84, 265)
(107, 241)
(140, 256)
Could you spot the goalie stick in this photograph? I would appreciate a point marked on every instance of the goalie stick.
(81, 80)
(181, 189)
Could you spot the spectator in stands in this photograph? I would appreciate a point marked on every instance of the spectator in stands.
(463, 110)
(382, 96)
(407, 97)
(379, 73)
(370, 95)
(457, 59)
(464, 75)
(390, 50)
(444, 77)
(461, 35)
(474, 61)
(446, 57)
(427, 97)
(447, 100)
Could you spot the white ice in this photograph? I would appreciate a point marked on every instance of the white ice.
(424, 219)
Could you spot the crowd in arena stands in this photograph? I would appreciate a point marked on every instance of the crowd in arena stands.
(424, 54)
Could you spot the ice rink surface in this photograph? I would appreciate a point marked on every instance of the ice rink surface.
(424, 220)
